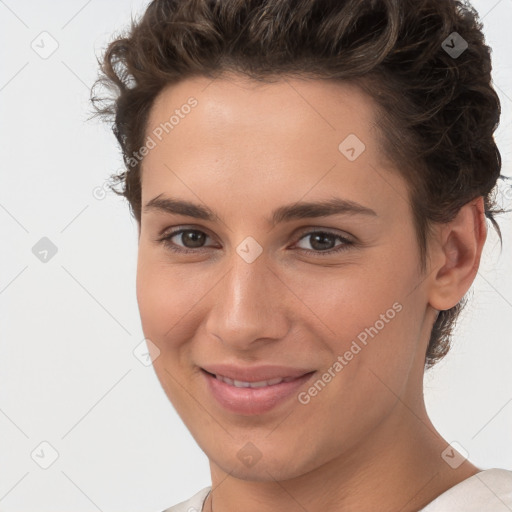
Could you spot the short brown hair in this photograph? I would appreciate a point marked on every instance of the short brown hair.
(437, 111)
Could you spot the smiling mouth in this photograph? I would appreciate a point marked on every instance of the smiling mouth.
(245, 384)
(256, 397)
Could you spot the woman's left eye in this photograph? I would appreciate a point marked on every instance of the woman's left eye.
(323, 242)
(320, 239)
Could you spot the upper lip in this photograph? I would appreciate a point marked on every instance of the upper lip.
(255, 373)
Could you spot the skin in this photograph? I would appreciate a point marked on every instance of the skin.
(365, 442)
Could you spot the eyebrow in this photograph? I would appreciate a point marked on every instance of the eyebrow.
(299, 210)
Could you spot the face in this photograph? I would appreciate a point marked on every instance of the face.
(328, 297)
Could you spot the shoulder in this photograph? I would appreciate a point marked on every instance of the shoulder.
(194, 504)
(489, 490)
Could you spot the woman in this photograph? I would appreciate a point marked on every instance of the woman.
(311, 181)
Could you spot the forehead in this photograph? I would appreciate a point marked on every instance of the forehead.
(287, 106)
(265, 138)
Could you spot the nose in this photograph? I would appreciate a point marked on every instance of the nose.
(248, 306)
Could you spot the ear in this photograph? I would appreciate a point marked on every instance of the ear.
(455, 255)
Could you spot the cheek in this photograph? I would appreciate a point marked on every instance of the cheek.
(347, 300)
(163, 295)
(165, 303)
(371, 311)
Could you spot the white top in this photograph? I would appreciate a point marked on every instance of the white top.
(487, 491)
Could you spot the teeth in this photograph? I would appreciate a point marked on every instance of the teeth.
(260, 384)
(241, 384)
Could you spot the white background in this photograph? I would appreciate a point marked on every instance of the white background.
(69, 326)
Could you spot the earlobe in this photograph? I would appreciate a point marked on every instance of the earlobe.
(457, 255)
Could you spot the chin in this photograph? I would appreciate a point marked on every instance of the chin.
(280, 466)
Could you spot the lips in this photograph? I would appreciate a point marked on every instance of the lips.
(258, 384)
(253, 390)
(255, 373)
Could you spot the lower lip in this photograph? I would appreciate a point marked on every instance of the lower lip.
(251, 401)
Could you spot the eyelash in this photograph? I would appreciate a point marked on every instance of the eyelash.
(165, 240)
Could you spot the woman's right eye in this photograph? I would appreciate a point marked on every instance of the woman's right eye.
(194, 237)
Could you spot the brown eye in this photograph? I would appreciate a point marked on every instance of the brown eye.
(190, 239)
(323, 243)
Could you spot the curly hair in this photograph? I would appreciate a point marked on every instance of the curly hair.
(436, 109)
